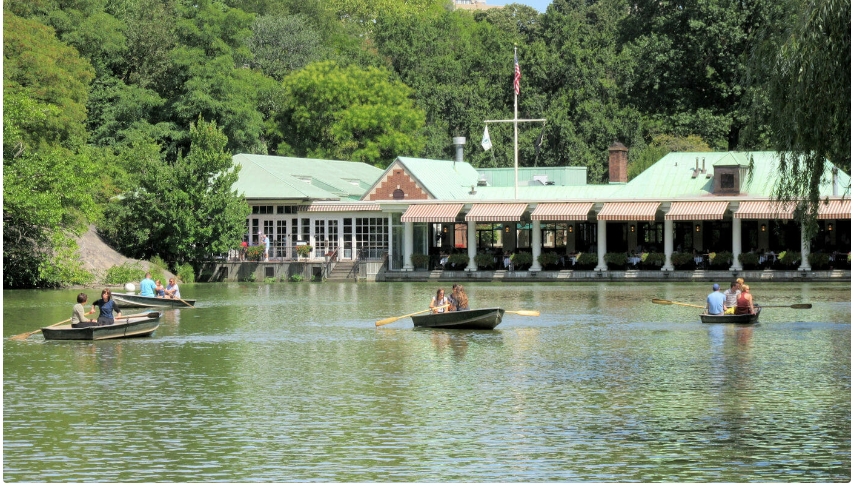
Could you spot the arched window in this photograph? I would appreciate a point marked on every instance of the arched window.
(398, 194)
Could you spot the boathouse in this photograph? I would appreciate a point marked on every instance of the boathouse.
(690, 215)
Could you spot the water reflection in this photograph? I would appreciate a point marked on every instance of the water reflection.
(287, 382)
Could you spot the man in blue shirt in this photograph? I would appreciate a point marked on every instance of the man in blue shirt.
(146, 287)
(715, 301)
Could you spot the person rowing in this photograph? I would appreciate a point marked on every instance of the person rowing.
(440, 303)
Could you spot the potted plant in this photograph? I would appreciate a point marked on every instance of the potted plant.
(616, 260)
(255, 253)
(484, 260)
(819, 260)
(652, 260)
(522, 260)
(681, 260)
(548, 260)
(720, 260)
(458, 261)
(304, 250)
(749, 260)
(586, 261)
(788, 259)
(420, 261)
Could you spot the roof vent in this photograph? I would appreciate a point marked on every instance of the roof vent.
(542, 179)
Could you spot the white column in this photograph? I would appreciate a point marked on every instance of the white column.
(805, 252)
(600, 241)
(736, 244)
(668, 245)
(536, 245)
(408, 245)
(472, 246)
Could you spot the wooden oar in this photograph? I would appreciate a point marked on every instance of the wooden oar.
(392, 320)
(664, 301)
(796, 306)
(188, 304)
(524, 312)
(24, 336)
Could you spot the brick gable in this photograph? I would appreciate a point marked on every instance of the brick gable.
(398, 179)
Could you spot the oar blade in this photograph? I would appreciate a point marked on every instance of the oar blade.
(525, 312)
(662, 301)
(802, 306)
(24, 336)
(386, 321)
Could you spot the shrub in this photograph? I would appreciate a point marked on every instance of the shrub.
(586, 260)
(127, 272)
(819, 260)
(548, 259)
(484, 260)
(420, 261)
(186, 273)
(789, 259)
(749, 260)
(720, 260)
(296, 278)
(256, 252)
(681, 260)
(652, 260)
(458, 260)
(616, 260)
(269, 280)
(304, 250)
(522, 260)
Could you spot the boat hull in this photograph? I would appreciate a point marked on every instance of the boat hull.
(130, 327)
(734, 319)
(475, 319)
(137, 301)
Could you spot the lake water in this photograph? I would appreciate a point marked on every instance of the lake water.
(292, 382)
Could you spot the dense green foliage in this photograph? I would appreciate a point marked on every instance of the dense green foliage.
(108, 99)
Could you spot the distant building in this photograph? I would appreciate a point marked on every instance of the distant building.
(473, 5)
(699, 203)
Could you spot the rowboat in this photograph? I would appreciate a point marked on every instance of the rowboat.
(473, 319)
(128, 327)
(735, 319)
(125, 300)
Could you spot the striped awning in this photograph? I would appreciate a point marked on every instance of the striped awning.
(760, 210)
(432, 213)
(629, 211)
(561, 211)
(835, 210)
(697, 210)
(341, 207)
(496, 212)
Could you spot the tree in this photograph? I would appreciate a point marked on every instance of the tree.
(280, 45)
(186, 211)
(45, 170)
(806, 71)
(43, 68)
(688, 60)
(348, 113)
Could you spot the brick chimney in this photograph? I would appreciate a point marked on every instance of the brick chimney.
(618, 159)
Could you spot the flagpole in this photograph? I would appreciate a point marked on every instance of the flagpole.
(515, 136)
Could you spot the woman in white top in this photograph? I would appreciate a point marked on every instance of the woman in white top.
(439, 303)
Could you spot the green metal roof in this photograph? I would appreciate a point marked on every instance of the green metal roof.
(275, 177)
(445, 180)
(670, 177)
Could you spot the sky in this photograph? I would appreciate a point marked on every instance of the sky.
(540, 5)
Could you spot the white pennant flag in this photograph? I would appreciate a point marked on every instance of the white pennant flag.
(486, 142)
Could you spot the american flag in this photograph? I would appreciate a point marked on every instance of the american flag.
(517, 75)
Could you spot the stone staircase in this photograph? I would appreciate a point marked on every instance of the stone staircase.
(343, 271)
